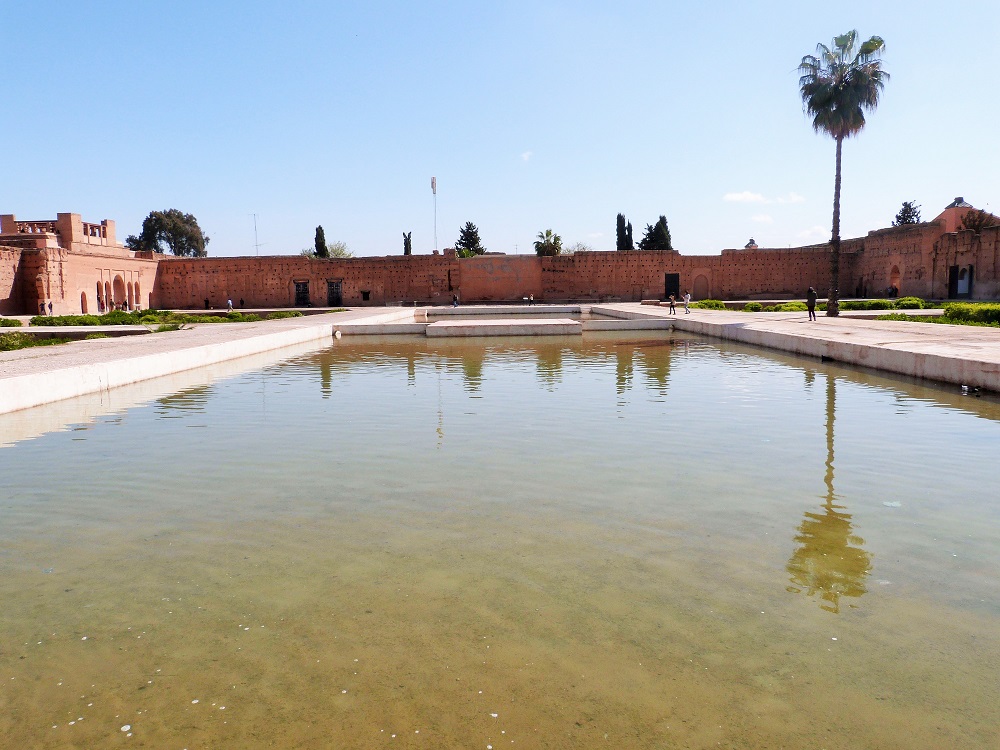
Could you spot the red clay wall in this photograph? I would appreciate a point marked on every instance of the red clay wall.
(270, 281)
(964, 249)
(423, 279)
(11, 295)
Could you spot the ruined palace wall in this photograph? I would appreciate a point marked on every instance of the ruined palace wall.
(432, 279)
(271, 281)
(11, 296)
(964, 249)
(500, 278)
(907, 250)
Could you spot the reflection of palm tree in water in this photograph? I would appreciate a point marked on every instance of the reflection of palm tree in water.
(826, 563)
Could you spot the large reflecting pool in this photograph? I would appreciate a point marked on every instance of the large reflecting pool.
(640, 541)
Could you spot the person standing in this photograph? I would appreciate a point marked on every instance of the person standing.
(673, 304)
(687, 303)
(811, 303)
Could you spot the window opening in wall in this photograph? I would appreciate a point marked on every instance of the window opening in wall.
(366, 296)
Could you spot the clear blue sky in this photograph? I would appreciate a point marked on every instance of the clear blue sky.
(532, 115)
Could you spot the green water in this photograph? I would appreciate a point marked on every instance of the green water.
(638, 541)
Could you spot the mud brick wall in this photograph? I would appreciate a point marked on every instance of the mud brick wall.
(901, 256)
(500, 278)
(963, 249)
(11, 293)
(271, 281)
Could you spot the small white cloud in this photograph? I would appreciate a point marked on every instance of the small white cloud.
(526, 156)
(812, 233)
(792, 198)
(762, 219)
(745, 197)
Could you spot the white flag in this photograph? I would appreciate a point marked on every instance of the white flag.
(434, 185)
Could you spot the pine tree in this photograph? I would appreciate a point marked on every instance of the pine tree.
(320, 244)
(908, 214)
(657, 237)
(468, 243)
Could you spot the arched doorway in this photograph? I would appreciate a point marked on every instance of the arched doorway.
(83, 303)
(894, 278)
(131, 297)
(108, 299)
(119, 290)
(135, 286)
(701, 288)
(100, 298)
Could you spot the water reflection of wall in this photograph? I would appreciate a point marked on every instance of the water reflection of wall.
(830, 561)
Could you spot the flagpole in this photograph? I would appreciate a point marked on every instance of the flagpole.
(434, 189)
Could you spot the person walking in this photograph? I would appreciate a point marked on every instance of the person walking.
(811, 303)
(673, 304)
(687, 303)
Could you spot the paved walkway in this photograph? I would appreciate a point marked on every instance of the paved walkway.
(963, 355)
(39, 375)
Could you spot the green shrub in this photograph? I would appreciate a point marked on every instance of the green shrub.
(868, 304)
(709, 304)
(10, 323)
(284, 314)
(987, 312)
(793, 306)
(753, 307)
(909, 303)
(769, 308)
(65, 320)
(164, 327)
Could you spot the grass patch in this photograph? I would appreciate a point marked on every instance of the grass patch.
(753, 307)
(10, 323)
(96, 335)
(280, 314)
(15, 340)
(941, 319)
(709, 304)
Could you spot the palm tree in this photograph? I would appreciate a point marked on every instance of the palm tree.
(548, 243)
(837, 86)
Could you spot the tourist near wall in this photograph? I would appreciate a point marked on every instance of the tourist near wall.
(73, 264)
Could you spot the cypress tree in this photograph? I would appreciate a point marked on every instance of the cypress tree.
(320, 244)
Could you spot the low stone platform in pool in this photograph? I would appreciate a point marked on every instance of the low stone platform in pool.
(501, 327)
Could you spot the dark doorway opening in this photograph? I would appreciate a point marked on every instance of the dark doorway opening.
(302, 294)
(671, 285)
(334, 293)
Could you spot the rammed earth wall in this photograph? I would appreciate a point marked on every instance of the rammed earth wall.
(11, 296)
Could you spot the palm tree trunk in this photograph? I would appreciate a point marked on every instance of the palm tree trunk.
(833, 296)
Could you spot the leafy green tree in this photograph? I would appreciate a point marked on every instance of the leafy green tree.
(837, 86)
(171, 230)
(320, 244)
(977, 220)
(623, 234)
(657, 237)
(338, 249)
(548, 243)
(407, 245)
(468, 243)
(908, 214)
